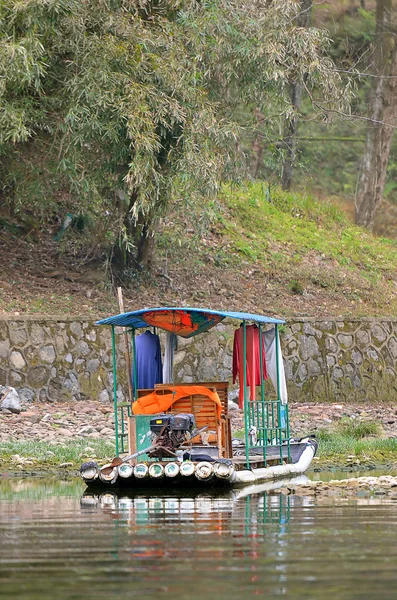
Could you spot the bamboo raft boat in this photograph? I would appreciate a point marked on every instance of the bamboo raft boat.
(179, 434)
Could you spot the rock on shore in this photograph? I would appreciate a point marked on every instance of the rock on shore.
(385, 485)
(61, 421)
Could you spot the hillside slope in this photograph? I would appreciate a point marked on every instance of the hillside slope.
(263, 251)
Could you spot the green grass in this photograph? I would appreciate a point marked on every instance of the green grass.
(301, 223)
(359, 430)
(43, 453)
(338, 445)
(361, 440)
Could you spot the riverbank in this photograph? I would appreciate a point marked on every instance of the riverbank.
(57, 438)
(361, 487)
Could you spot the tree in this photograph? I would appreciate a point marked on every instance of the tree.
(382, 119)
(291, 126)
(141, 98)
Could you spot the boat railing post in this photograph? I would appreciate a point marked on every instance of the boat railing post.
(246, 407)
(116, 420)
(287, 431)
(280, 425)
(263, 429)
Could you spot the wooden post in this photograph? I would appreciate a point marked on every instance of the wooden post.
(127, 348)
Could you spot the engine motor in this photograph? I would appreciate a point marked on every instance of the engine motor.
(171, 431)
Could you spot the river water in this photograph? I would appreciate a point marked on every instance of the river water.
(56, 543)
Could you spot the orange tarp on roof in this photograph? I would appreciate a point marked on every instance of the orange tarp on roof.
(155, 403)
(180, 322)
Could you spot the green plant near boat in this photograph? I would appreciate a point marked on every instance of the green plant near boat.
(44, 453)
(341, 444)
(359, 429)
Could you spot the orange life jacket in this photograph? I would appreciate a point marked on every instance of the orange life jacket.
(156, 403)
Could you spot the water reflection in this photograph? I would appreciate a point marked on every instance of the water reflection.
(58, 540)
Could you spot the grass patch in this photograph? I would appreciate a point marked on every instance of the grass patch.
(360, 440)
(43, 453)
(239, 434)
(304, 223)
(359, 430)
(338, 444)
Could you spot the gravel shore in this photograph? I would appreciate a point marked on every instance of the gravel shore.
(65, 421)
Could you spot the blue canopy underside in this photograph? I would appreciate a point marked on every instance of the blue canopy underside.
(136, 319)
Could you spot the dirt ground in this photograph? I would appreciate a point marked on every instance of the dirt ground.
(42, 277)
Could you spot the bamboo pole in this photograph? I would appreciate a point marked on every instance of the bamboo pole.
(127, 348)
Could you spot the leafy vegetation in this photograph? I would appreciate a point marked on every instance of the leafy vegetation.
(304, 224)
(44, 453)
(119, 110)
(340, 446)
(356, 440)
(262, 249)
(350, 441)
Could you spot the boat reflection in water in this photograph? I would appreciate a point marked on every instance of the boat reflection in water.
(248, 503)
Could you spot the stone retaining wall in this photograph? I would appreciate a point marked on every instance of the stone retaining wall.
(338, 360)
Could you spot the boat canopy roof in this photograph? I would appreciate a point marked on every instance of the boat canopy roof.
(182, 321)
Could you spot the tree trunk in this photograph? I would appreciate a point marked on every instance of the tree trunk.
(291, 127)
(136, 250)
(290, 138)
(383, 113)
(257, 147)
(145, 245)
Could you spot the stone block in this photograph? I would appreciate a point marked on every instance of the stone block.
(179, 356)
(17, 360)
(308, 347)
(76, 329)
(346, 341)
(91, 335)
(313, 368)
(93, 365)
(337, 373)
(47, 354)
(331, 344)
(18, 335)
(308, 329)
(378, 332)
(301, 373)
(36, 334)
(38, 376)
(327, 326)
(26, 394)
(373, 354)
(357, 357)
(4, 348)
(362, 338)
(392, 344)
(83, 348)
(15, 378)
(60, 344)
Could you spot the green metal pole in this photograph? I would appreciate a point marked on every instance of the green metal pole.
(116, 420)
(246, 407)
(287, 432)
(122, 429)
(264, 432)
(278, 396)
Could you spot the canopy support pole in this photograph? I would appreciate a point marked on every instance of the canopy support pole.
(263, 406)
(246, 407)
(116, 420)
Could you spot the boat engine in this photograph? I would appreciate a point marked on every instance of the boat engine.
(170, 432)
